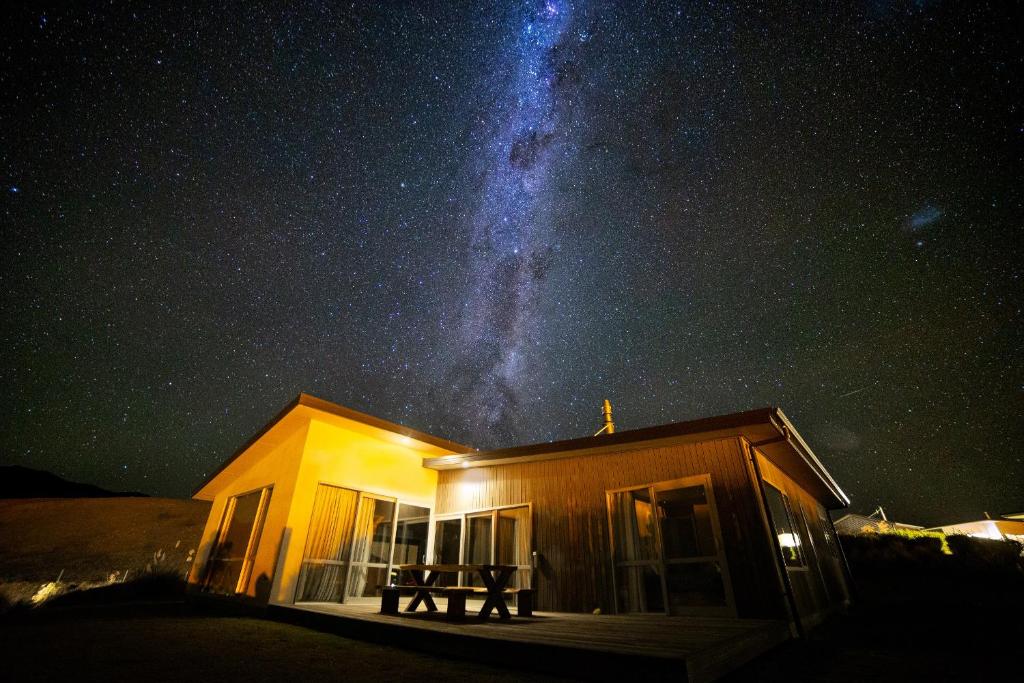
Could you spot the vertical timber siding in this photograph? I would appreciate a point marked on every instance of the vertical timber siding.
(570, 517)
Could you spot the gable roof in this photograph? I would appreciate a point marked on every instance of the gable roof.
(318, 404)
(768, 428)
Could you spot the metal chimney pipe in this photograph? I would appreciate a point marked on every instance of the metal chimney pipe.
(606, 411)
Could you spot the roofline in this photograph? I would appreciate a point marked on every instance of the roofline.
(851, 514)
(812, 460)
(566, 448)
(553, 448)
(367, 419)
(310, 401)
(977, 521)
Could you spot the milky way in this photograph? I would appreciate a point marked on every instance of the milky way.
(510, 241)
(481, 219)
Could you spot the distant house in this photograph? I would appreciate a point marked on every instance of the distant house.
(853, 525)
(720, 516)
(996, 529)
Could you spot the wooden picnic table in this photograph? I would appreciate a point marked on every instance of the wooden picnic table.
(494, 576)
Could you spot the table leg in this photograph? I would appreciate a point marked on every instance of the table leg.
(495, 599)
(423, 591)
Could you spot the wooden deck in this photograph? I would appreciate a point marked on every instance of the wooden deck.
(599, 647)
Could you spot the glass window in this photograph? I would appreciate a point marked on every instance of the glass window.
(512, 545)
(410, 539)
(411, 536)
(686, 523)
(695, 584)
(447, 546)
(639, 588)
(665, 549)
(239, 536)
(328, 545)
(478, 539)
(371, 546)
(355, 540)
(496, 536)
(826, 530)
(478, 544)
(633, 526)
(790, 541)
(447, 540)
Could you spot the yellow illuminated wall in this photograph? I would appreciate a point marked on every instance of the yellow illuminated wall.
(387, 465)
(278, 468)
(311, 447)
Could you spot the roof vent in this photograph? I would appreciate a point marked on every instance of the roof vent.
(606, 412)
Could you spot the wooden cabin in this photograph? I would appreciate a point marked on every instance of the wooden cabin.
(721, 516)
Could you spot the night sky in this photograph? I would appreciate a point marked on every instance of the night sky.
(479, 220)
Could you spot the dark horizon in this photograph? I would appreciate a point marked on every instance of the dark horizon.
(480, 223)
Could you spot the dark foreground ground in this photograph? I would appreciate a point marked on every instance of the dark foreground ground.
(915, 641)
(158, 644)
(920, 615)
(173, 642)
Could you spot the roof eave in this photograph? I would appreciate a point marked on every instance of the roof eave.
(320, 404)
(578, 446)
(805, 452)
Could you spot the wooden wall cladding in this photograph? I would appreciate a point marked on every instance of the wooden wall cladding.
(570, 518)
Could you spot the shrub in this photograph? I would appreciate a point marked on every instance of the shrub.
(894, 552)
(988, 555)
(926, 538)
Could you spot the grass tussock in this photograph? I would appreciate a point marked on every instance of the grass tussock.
(146, 587)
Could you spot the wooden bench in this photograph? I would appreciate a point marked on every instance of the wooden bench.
(456, 600)
(456, 596)
(493, 579)
(524, 599)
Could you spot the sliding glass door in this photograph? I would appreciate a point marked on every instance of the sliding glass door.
(355, 541)
(512, 544)
(411, 535)
(636, 552)
(448, 547)
(371, 546)
(496, 536)
(667, 549)
(479, 544)
(328, 545)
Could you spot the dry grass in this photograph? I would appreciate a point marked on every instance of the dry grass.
(88, 539)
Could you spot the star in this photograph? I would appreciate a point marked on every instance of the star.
(688, 210)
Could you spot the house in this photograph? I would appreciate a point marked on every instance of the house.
(721, 516)
(854, 525)
(1007, 527)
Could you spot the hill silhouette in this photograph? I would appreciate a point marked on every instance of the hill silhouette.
(24, 482)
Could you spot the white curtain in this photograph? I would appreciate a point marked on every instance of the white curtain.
(328, 544)
(633, 537)
(362, 537)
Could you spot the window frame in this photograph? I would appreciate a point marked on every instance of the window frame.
(801, 552)
(252, 544)
(347, 563)
(662, 562)
(463, 517)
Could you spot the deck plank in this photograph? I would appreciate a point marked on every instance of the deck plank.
(705, 647)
